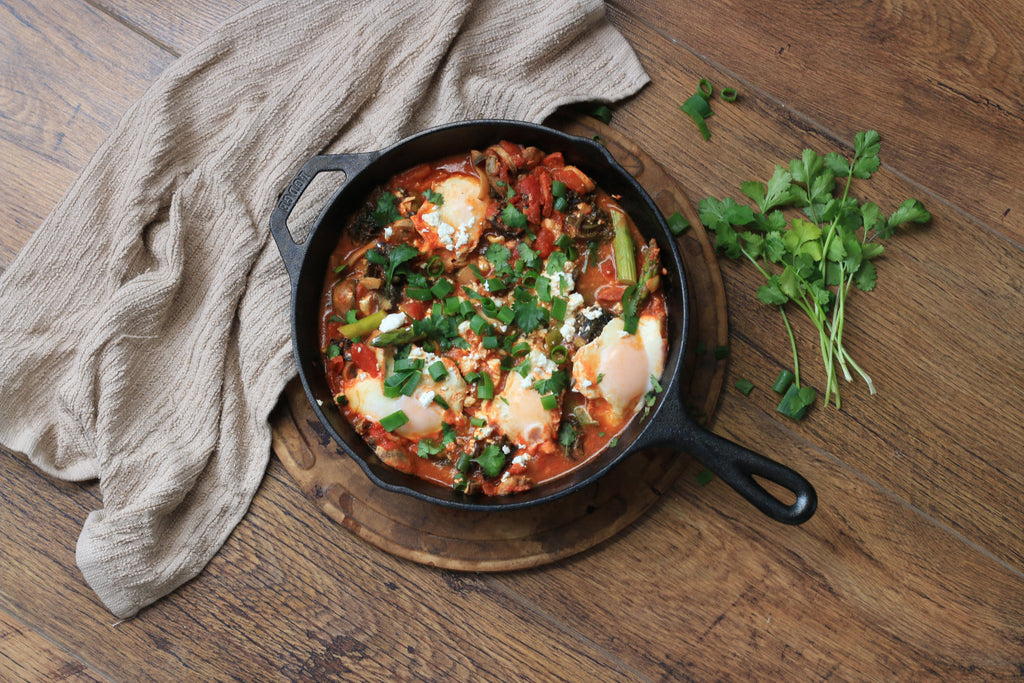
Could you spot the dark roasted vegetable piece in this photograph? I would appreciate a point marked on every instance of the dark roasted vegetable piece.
(589, 329)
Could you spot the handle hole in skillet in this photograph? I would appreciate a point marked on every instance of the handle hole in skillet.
(780, 493)
(311, 203)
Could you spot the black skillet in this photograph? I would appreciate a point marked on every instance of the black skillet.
(667, 425)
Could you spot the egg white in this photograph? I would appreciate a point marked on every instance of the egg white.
(618, 366)
(458, 221)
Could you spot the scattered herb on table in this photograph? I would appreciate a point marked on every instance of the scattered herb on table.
(812, 260)
(698, 105)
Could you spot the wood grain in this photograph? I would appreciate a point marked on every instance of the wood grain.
(940, 81)
(910, 570)
(939, 433)
(68, 74)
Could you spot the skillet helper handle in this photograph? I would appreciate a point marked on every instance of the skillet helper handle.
(737, 466)
(292, 252)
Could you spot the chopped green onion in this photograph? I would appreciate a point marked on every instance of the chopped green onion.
(360, 328)
(393, 421)
(705, 477)
(722, 351)
(558, 308)
(333, 351)
(520, 349)
(412, 380)
(677, 223)
(705, 88)
(477, 421)
(559, 354)
(506, 315)
(745, 386)
(441, 402)
(622, 246)
(419, 293)
(783, 382)
(728, 94)
(549, 401)
(490, 342)
(438, 371)
(558, 188)
(796, 401)
(479, 325)
(435, 266)
(405, 364)
(442, 288)
(485, 387)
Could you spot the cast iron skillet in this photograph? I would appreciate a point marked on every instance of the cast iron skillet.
(667, 425)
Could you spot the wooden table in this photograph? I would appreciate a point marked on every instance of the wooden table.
(913, 566)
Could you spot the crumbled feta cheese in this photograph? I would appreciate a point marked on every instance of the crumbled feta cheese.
(506, 450)
(574, 301)
(521, 459)
(392, 322)
(540, 362)
(464, 327)
(592, 313)
(426, 398)
(387, 232)
(568, 329)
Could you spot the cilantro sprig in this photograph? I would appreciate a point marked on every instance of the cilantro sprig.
(814, 259)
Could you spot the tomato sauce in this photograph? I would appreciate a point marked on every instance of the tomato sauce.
(467, 311)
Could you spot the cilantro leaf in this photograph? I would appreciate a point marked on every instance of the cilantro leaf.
(910, 211)
(714, 212)
(529, 316)
(386, 212)
(513, 217)
(491, 460)
(435, 198)
(865, 276)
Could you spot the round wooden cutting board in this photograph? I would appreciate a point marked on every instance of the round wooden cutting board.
(518, 539)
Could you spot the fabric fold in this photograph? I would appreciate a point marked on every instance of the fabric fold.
(146, 323)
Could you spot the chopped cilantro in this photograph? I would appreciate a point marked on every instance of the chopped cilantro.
(513, 217)
(491, 460)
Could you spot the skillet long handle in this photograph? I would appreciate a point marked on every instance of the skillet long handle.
(738, 467)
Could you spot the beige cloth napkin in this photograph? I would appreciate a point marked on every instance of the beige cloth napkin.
(144, 326)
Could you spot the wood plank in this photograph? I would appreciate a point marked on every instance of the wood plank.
(27, 656)
(868, 589)
(942, 82)
(68, 74)
(917, 333)
(177, 26)
(290, 596)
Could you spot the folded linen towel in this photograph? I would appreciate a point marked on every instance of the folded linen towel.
(145, 324)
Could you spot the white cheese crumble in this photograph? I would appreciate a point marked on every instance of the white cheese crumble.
(426, 398)
(592, 313)
(540, 362)
(521, 459)
(392, 322)
(387, 232)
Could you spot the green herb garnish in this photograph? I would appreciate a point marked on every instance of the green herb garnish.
(814, 259)
(393, 421)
